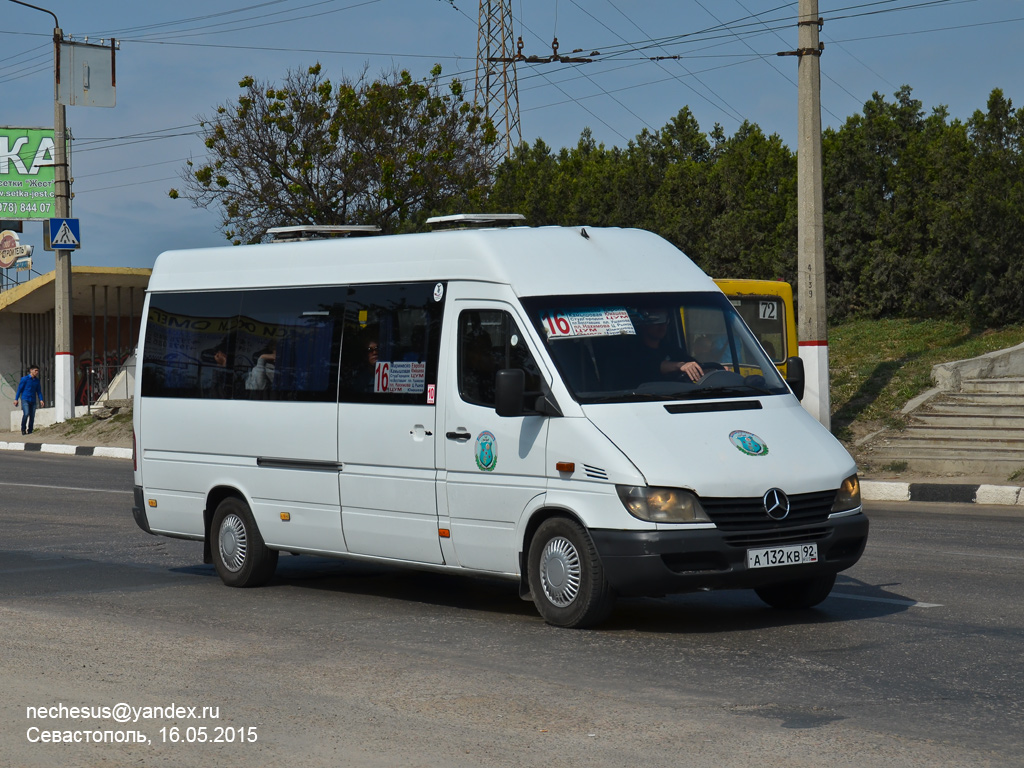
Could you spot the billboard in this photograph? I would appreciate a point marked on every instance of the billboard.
(26, 173)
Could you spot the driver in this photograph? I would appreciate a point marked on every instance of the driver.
(658, 357)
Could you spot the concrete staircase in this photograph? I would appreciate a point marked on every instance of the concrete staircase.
(976, 431)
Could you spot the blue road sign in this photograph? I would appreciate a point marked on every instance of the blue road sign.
(64, 234)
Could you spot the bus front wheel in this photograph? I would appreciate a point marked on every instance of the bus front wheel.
(566, 576)
(240, 556)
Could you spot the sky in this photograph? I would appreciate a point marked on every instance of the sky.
(178, 61)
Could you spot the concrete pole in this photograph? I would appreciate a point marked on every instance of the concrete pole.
(64, 369)
(812, 322)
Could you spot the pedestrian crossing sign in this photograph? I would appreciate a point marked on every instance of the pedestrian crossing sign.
(61, 235)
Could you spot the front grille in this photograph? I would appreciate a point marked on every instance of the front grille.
(746, 514)
(776, 538)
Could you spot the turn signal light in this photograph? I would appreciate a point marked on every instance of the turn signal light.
(286, 516)
(152, 503)
(565, 466)
(444, 533)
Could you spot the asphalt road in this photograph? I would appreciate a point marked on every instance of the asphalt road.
(914, 660)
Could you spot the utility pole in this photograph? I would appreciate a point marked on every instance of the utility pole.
(64, 372)
(64, 368)
(812, 323)
(497, 89)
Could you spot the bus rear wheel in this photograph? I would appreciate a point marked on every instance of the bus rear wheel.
(240, 556)
(566, 576)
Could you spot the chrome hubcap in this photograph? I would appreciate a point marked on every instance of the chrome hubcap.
(560, 572)
(233, 543)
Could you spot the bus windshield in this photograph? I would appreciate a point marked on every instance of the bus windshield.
(652, 346)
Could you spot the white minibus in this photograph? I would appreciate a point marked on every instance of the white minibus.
(580, 410)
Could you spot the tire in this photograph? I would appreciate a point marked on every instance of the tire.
(797, 595)
(566, 576)
(239, 553)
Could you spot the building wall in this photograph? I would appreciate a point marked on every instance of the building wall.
(100, 346)
(10, 357)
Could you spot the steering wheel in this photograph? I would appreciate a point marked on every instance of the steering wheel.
(719, 377)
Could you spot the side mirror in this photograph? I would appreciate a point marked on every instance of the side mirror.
(795, 376)
(509, 385)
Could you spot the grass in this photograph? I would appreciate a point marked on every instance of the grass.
(877, 366)
(76, 425)
(89, 423)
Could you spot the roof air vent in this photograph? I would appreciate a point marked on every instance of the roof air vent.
(302, 232)
(476, 220)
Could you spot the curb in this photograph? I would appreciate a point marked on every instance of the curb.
(951, 493)
(69, 450)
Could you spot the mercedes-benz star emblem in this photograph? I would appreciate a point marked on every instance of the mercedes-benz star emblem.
(776, 504)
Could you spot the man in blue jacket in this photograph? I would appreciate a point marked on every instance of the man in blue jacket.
(30, 392)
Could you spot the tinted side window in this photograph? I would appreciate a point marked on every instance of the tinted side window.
(279, 344)
(287, 344)
(391, 341)
(190, 345)
(490, 340)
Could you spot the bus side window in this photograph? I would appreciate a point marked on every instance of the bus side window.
(391, 342)
(490, 340)
(287, 344)
(190, 345)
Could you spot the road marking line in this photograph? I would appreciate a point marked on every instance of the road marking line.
(65, 488)
(889, 600)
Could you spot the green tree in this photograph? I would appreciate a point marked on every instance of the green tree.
(872, 186)
(524, 183)
(996, 207)
(681, 207)
(751, 189)
(384, 152)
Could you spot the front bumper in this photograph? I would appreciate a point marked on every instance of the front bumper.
(651, 563)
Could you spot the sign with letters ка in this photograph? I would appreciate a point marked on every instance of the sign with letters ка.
(26, 173)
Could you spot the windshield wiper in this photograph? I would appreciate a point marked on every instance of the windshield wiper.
(628, 396)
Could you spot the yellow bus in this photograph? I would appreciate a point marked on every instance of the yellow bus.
(766, 306)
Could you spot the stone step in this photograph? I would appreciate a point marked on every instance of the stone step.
(963, 405)
(970, 437)
(974, 419)
(1006, 385)
(995, 399)
(952, 465)
(928, 448)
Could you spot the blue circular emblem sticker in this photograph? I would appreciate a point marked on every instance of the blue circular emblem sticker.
(748, 443)
(486, 451)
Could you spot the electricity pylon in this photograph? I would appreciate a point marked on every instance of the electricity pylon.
(497, 90)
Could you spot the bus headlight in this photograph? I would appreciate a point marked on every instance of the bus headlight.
(662, 505)
(848, 496)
